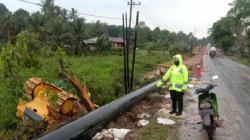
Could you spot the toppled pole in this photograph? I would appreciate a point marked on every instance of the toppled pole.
(86, 126)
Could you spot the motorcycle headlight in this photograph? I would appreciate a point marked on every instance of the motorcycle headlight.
(205, 105)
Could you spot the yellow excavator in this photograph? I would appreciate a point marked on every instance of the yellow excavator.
(47, 102)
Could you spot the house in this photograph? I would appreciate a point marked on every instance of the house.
(91, 43)
(116, 42)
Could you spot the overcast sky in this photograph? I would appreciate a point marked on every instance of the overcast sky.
(175, 15)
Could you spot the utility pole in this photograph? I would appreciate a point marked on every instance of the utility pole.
(131, 4)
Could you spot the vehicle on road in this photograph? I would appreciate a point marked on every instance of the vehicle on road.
(208, 108)
(212, 52)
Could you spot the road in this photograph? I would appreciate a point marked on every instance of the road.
(234, 100)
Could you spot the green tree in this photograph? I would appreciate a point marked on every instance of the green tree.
(104, 43)
(222, 34)
(59, 33)
(20, 20)
(79, 34)
(248, 41)
(8, 26)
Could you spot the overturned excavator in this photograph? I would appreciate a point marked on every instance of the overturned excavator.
(49, 103)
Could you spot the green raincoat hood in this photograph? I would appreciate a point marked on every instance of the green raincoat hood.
(179, 57)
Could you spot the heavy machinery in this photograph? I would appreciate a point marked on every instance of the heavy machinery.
(49, 103)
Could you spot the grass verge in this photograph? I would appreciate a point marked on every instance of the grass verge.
(103, 75)
(153, 131)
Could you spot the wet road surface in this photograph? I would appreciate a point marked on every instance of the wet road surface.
(234, 101)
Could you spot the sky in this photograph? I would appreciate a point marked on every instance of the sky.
(175, 15)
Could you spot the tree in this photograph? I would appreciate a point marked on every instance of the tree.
(240, 11)
(20, 20)
(48, 8)
(222, 34)
(3, 10)
(248, 41)
(59, 33)
(78, 33)
(144, 34)
(104, 43)
(8, 26)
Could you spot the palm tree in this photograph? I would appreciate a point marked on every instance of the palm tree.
(8, 26)
(59, 33)
(78, 33)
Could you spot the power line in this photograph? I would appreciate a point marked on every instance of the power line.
(145, 15)
(99, 16)
(151, 15)
(29, 2)
(81, 13)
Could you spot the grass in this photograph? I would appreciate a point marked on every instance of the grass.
(153, 131)
(103, 75)
(237, 58)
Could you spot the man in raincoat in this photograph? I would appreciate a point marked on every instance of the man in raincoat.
(177, 74)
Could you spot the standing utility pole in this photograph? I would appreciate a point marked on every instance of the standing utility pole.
(131, 4)
(128, 81)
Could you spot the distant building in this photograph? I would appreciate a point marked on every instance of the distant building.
(91, 44)
(116, 42)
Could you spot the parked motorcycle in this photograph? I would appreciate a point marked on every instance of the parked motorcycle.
(208, 108)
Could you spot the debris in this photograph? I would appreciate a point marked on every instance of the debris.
(164, 110)
(103, 134)
(143, 123)
(112, 133)
(166, 96)
(144, 116)
(119, 134)
(131, 136)
(165, 121)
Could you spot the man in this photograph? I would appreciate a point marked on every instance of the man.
(177, 74)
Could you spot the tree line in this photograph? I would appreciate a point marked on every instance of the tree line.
(232, 32)
(56, 27)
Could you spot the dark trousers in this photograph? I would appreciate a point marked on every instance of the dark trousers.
(177, 98)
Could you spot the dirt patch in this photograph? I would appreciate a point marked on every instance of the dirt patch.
(155, 105)
(149, 105)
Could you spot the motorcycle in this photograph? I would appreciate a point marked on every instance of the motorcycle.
(212, 54)
(208, 108)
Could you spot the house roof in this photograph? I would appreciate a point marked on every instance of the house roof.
(91, 41)
(116, 39)
(111, 39)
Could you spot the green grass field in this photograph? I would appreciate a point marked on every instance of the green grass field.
(102, 74)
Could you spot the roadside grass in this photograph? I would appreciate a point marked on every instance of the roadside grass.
(237, 58)
(153, 131)
(102, 74)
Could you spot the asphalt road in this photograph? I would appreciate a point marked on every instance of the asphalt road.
(234, 101)
(234, 96)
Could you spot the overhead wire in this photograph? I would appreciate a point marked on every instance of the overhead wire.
(154, 18)
(29, 2)
(81, 13)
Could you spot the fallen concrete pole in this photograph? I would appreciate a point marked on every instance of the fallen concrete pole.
(86, 126)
